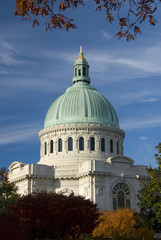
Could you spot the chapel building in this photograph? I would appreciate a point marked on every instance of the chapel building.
(82, 150)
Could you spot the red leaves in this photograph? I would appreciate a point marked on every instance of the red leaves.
(49, 215)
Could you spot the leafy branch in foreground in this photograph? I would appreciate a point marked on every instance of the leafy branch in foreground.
(129, 13)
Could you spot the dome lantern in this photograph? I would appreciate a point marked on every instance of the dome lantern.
(81, 69)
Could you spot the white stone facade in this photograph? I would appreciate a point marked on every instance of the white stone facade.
(75, 131)
(92, 174)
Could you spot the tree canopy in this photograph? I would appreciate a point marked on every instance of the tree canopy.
(150, 196)
(123, 224)
(128, 13)
(48, 216)
(8, 191)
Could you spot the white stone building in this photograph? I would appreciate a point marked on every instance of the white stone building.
(82, 150)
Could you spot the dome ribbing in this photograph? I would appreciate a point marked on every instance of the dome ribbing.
(81, 103)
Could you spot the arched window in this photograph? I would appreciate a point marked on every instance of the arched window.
(114, 204)
(81, 143)
(121, 196)
(111, 146)
(128, 203)
(75, 71)
(70, 144)
(84, 71)
(102, 144)
(45, 148)
(60, 145)
(92, 144)
(121, 199)
(117, 147)
(51, 146)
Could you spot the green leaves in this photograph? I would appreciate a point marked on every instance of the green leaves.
(150, 195)
(8, 191)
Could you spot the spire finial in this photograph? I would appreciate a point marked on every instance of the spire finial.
(81, 51)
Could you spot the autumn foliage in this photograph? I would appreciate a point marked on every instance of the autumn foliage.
(48, 216)
(129, 13)
(123, 224)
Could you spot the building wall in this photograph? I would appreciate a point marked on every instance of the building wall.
(95, 180)
(76, 131)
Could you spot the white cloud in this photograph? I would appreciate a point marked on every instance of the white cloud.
(135, 96)
(143, 138)
(106, 35)
(8, 54)
(131, 124)
(19, 133)
(149, 100)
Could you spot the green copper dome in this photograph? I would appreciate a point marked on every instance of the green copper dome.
(81, 103)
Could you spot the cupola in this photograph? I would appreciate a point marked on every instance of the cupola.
(81, 69)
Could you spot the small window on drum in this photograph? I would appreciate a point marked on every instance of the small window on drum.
(60, 145)
(79, 72)
(81, 143)
(111, 146)
(117, 147)
(51, 146)
(92, 144)
(45, 148)
(70, 144)
(102, 144)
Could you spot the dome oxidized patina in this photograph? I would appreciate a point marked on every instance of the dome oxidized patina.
(81, 103)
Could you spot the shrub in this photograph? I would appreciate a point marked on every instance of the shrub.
(123, 224)
(49, 216)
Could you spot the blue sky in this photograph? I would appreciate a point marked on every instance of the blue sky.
(37, 66)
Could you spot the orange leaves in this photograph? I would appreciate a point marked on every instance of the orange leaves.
(121, 224)
(32, 9)
(62, 6)
(59, 21)
(152, 20)
(128, 13)
(35, 22)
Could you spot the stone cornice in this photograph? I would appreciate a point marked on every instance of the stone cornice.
(76, 177)
(78, 127)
